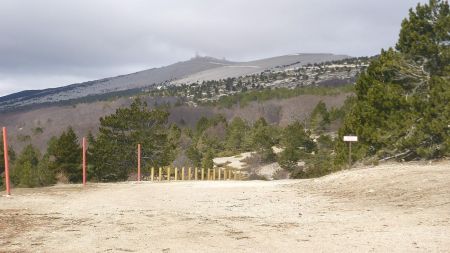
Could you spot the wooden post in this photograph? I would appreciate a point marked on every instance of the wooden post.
(182, 174)
(139, 163)
(152, 172)
(160, 174)
(189, 173)
(214, 174)
(84, 161)
(350, 139)
(6, 157)
(208, 173)
(176, 173)
(203, 173)
(218, 171)
(196, 174)
(349, 154)
(168, 173)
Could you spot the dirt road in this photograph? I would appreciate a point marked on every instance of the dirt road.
(389, 208)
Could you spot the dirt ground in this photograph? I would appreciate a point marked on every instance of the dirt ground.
(389, 208)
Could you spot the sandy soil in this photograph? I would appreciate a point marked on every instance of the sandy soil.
(236, 161)
(389, 208)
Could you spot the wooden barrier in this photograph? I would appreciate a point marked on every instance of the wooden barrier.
(215, 174)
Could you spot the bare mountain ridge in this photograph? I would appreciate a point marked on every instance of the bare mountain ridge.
(193, 70)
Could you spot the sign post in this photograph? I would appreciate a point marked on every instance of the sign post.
(350, 139)
(5, 150)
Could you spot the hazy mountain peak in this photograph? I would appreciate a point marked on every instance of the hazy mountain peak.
(198, 68)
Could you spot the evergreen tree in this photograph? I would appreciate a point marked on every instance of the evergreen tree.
(262, 138)
(67, 155)
(194, 155)
(320, 117)
(114, 149)
(46, 175)
(236, 133)
(401, 108)
(297, 145)
(207, 161)
(425, 36)
(202, 125)
(25, 170)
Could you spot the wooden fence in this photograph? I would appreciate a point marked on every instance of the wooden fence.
(191, 174)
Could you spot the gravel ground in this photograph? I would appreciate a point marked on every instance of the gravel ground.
(389, 208)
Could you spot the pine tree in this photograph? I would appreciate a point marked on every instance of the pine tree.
(25, 171)
(262, 138)
(67, 155)
(194, 155)
(425, 36)
(207, 161)
(114, 150)
(401, 108)
(320, 118)
(236, 133)
(45, 174)
(297, 145)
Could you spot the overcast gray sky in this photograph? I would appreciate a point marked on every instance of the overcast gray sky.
(45, 43)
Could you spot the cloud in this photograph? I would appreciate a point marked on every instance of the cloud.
(47, 43)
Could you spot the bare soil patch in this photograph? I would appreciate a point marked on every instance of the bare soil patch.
(389, 208)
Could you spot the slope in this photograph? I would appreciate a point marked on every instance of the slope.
(195, 69)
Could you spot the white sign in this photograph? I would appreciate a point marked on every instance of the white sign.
(351, 138)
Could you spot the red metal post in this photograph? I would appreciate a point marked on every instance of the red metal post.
(5, 150)
(84, 161)
(139, 162)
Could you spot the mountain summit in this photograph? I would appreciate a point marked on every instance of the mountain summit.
(193, 70)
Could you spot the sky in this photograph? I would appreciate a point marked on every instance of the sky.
(51, 43)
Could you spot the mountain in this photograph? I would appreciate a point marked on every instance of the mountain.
(193, 70)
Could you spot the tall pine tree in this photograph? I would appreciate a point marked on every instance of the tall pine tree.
(114, 150)
(402, 99)
(67, 155)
